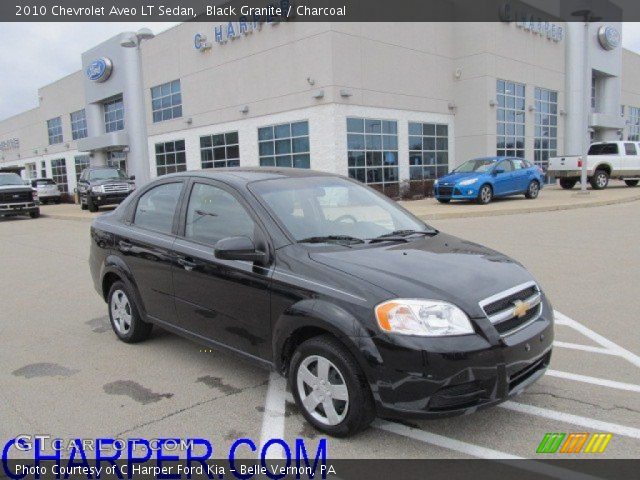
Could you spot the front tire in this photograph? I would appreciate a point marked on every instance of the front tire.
(443, 200)
(125, 315)
(600, 180)
(533, 190)
(34, 213)
(90, 205)
(329, 387)
(568, 183)
(485, 195)
(631, 183)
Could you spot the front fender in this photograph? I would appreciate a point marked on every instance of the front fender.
(328, 317)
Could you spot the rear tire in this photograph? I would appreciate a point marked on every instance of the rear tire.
(57, 201)
(533, 190)
(323, 372)
(485, 195)
(125, 316)
(600, 180)
(568, 183)
(443, 200)
(631, 183)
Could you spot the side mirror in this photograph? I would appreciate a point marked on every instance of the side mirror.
(132, 177)
(238, 248)
(498, 171)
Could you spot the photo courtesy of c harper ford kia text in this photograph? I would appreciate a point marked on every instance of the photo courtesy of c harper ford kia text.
(329, 239)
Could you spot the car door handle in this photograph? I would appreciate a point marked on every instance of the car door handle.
(187, 264)
(125, 246)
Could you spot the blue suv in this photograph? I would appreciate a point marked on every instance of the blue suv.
(482, 179)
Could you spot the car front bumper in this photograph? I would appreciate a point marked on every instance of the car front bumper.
(456, 192)
(108, 198)
(18, 208)
(439, 377)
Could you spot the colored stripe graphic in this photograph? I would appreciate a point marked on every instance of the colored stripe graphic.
(574, 442)
(550, 443)
(598, 443)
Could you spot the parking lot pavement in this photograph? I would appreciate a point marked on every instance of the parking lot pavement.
(64, 373)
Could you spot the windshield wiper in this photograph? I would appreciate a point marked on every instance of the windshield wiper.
(331, 238)
(401, 235)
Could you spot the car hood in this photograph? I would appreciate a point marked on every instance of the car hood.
(442, 267)
(95, 183)
(15, 188)
(453, 178)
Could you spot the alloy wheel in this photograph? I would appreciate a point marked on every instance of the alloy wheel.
(601, 180)
(533, 189)
(322, 389)
(485, 194)
(121, 312)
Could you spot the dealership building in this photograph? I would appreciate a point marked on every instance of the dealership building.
(380, 102)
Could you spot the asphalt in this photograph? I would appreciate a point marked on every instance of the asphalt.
(64, 373)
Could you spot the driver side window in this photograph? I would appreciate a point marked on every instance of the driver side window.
(505, 165)
(214, 214)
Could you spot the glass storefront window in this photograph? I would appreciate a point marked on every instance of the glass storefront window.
(372, 150)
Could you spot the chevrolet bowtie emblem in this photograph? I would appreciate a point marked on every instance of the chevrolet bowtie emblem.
(520, 308)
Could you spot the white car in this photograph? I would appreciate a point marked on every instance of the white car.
(48, 190)
(605, 160)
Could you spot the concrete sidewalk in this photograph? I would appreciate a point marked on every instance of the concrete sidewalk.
(551, 198)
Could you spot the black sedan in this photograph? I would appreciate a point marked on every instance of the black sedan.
(366, 309)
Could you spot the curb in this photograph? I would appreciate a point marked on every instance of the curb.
(448, 215)
(550, 208)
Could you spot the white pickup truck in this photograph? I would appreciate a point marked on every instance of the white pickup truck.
(605, 160)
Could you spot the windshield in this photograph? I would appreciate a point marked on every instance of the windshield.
(10, 179)
(107, 174)
(476, 165)
(320, 207)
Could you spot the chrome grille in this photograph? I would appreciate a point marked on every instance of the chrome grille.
(116, 187)
(513, 309)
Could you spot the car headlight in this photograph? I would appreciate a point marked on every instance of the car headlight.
(98, 189)
(426, 318)
(435, 181)
(470, 181)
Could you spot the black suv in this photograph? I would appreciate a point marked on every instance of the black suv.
(16, 198)
(368, 310)
(99, 186)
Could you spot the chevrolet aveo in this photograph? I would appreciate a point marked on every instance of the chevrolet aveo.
(366, 309)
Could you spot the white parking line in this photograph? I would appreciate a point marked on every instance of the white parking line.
(477, 451)
(584, 348)
(273, 419)
(603, 382)
(564, 417)
(562, 319)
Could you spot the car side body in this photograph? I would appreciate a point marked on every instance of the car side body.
(284, 293)
(506, 177)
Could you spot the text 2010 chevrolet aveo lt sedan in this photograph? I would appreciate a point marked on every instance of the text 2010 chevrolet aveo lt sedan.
(368, 310)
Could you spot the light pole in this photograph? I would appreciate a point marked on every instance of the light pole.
(587, 16)
(135, 112)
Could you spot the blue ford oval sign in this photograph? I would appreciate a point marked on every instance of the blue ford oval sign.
(99, 70)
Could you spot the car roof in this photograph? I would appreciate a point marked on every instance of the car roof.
(245, 175)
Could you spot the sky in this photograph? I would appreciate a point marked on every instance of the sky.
(36, 54)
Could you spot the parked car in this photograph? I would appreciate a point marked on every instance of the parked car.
(368, 310)
(483, 179)
(605, 160)
(98, 186)
(48, 190)
(16, 198)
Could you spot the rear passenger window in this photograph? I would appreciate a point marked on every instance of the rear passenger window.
(214, 214)
(156, 208)
(629, 149)
(519, 164)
